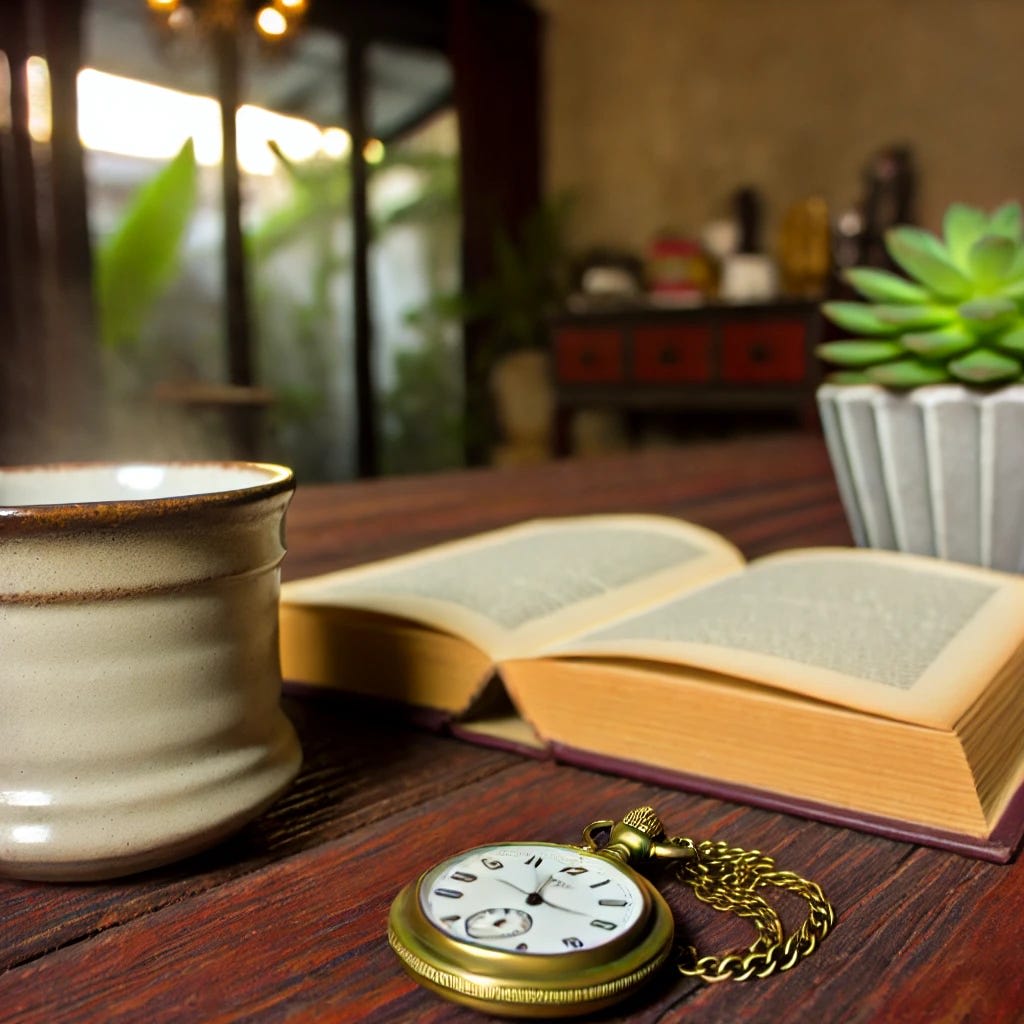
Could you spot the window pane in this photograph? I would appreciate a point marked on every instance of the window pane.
(414, 207)
(156, 229)
(298, 227)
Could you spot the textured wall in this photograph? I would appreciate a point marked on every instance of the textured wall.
(658, 109)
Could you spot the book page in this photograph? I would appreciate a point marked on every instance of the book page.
(900, 635)
(511, 590)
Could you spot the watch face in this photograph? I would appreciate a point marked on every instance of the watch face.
(531, 898)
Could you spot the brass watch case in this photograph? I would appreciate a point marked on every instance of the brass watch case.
(531, 985)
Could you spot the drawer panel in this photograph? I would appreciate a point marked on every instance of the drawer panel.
(669, 354)
(764, 350)
(589, 355)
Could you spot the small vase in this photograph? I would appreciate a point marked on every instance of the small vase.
(938, 470)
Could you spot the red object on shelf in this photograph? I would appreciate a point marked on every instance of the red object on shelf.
(677, 270)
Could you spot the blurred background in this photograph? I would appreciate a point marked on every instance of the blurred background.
(368, 238)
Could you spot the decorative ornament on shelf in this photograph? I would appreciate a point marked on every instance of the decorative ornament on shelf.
(924, 416)
(274, 22)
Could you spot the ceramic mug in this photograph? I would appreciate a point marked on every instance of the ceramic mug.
(140, 715)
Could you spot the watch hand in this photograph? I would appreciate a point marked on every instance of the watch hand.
(505, 881)
(545, 882)
(568, 910)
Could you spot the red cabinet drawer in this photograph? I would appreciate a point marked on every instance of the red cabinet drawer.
(671, 354)
(589, 355)
(764, 350)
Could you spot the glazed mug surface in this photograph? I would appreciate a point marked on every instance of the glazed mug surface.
(140, 717)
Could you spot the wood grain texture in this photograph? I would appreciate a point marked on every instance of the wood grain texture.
(285, 922)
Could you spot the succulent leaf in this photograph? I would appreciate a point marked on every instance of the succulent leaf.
(962, 226)
(1006, 221)
(986, 315)
(884, 286)
(960, 317)
(915, 317)
(990, 258)
(1014, 291)
(848, 377)
(859, 352)
(1012, 341)
(983, 366)
(908, 373)
(941, 344)
(924, 257)
(858, 318)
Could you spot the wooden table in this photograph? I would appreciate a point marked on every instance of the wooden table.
(285, 922)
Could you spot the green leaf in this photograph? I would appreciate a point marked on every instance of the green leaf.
(136, 263)
(962, 226)
(941, 344)
(927, 260)
(915, 317)
(1014, 291)
(1012, 340)
(907, 373)
(1006, 221)
(847, 377)
(884, 286)
(858, 352)
(990, 260)
(986, 315)
(857, 317)
(985, 367)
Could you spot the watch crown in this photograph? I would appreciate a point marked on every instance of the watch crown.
(645, 821)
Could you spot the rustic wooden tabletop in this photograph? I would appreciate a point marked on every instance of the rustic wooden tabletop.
(286, 921)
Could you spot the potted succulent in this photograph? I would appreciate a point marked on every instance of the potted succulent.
(924, 417)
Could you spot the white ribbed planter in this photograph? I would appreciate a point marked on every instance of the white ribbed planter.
(937, 471)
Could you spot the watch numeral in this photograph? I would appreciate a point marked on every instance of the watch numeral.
(535, 861)
(572, 942)
(450, 919)
(612, 903)
(463, 876)
(597, 885)
(608, 926)
(573, 871)
(490, 862)
(452, 894)
(522, 947)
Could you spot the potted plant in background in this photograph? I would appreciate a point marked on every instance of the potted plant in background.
(924, 420)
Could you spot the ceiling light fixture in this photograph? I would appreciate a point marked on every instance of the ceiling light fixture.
(274, 21)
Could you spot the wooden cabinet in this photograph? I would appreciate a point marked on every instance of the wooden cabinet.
(714, 357)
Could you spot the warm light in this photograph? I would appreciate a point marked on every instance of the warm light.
(140, 478)
(272, 23)
(335, 143)
(37, 83)
(30, 833)
(373, 151)
(297, 139)
(163, 6)
(122, 115)
(6, 114)
(25, 798)
(291, 6)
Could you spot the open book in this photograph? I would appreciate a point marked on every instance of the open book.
(867, 688)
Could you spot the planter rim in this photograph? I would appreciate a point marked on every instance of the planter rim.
(922, 393)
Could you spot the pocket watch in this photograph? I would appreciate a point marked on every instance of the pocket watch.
(537, 929)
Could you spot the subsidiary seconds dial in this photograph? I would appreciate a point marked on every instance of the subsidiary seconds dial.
(531, 898)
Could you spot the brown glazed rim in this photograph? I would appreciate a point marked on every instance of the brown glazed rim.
(69, 515)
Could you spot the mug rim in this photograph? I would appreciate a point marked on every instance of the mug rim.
(279, 479)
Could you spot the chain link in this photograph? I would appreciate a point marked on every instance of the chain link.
(728, 878)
